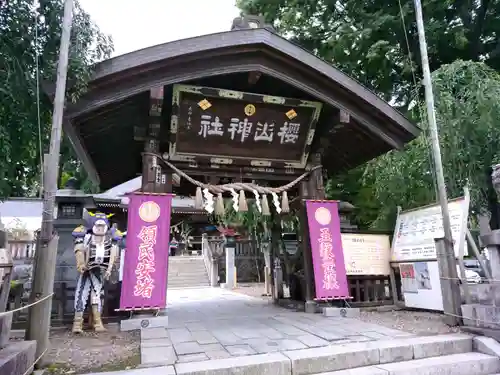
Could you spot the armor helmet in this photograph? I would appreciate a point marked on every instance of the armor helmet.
(99, 222)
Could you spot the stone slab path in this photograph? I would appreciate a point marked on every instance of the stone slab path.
(214, 323)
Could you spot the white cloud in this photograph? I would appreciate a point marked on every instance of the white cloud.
(140, 24)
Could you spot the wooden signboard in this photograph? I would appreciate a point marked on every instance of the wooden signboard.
(366, 254)
(236, 128)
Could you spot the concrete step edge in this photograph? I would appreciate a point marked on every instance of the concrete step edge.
(188, 274)
(187, 271)
(197, 277)
(418, 350)
(341, 357)
(454, 364)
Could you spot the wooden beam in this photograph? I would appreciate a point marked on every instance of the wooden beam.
(154, 178)
(253, 77)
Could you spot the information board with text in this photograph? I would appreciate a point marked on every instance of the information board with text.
(366, 254)
(416, 230)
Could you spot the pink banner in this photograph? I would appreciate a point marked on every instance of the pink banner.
(145, 270)
(326, 247)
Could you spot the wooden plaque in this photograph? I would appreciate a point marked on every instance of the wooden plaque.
(237, 128)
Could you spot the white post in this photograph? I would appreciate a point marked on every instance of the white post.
(230, 268)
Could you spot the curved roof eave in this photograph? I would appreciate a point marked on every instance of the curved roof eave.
(238, 38)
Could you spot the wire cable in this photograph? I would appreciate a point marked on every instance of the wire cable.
(37, 75)
(419, 104)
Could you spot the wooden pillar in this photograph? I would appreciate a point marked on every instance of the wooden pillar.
(155, 178)
(310, 189)
(316, 186)
(306, 250)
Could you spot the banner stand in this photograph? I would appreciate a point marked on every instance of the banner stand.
(145, 270)
(330, 275)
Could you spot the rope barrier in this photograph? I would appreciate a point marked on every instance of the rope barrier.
(487, 281)
(27, 306)
(475, 319)
(29, 370)
(219, 189)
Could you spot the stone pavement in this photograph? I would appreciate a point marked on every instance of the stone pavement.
(214, 323)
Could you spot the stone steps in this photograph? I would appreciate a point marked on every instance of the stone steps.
(350, 356)
(188, 276)
(186, 272)
(455, 364)
(182, 284)
(17, 357)
(430, 355)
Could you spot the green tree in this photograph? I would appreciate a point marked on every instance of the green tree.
(367, 40)
(357, 188)
(467, 109)
(376, 42)
(25, 37)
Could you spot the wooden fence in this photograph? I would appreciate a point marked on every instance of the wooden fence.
(368, 290)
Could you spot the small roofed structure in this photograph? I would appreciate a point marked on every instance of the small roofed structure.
(132, 105)
(116, 197)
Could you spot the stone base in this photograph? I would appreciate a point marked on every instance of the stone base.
(487, 332)
(5, 324)
(17, 357)
(310, 307)
(341, 312)
(482, 316)
(145, 321)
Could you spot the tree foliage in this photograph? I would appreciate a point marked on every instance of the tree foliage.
(26, 33)
(367, 38)
(467, 109)
(376, 42)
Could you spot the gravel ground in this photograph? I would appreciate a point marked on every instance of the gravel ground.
(417, 322)
(92, 352)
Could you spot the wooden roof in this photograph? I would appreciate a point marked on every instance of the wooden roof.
(101, 125)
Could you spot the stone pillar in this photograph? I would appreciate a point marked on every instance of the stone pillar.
(278, 280)
(492, 240)
(214, 269)
(230, 268)
(70, 205)
(267, 271)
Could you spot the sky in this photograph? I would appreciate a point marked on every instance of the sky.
(140, 24)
